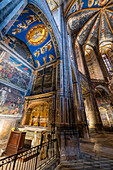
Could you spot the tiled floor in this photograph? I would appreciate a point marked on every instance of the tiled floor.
(100, 145)
(87, 165)
(97, 153)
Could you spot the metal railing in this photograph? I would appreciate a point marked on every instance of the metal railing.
(35, 158)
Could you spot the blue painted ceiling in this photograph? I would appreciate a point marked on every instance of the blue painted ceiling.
(91, 22)
(30, 29)
(85, 4)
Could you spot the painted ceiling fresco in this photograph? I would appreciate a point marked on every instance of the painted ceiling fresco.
(84, 4)
(30, 29)
(91, 22)
(17, 45)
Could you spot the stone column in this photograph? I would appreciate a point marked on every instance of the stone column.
(101, 64)
(81, 120)
(95, 110)
(90, 112)
(65, 109)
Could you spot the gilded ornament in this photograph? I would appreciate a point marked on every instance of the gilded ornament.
(37, 34)
(102, 2)
(90, 3)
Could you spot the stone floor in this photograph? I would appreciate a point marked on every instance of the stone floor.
(99, 145)
(97, 153)
(83, 164)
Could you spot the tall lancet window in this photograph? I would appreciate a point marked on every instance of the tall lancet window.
(107, 63)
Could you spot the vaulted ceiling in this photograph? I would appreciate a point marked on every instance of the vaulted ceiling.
(52, 4)
(91, 23)
(31, 30)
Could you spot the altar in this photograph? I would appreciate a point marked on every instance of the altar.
(35, 134)
(38, 117)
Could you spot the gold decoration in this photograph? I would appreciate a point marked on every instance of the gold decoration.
(102, 2)
(38, 63)
(51, 57)
(37, 34)
(37, 53)
(90, 3)
(16, 31)
(44, 59)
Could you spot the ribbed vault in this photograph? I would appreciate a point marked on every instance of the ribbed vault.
(91, 25)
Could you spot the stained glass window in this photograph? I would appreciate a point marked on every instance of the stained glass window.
(107, 63)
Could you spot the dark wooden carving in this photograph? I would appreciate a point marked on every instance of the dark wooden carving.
(15, 142)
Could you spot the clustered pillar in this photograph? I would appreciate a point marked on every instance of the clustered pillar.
(96, 123)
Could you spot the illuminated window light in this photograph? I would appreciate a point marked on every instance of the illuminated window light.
(107, 63)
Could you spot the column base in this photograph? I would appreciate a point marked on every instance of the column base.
(83, 130)
(69, 144)
(92, 130)
(97, 128)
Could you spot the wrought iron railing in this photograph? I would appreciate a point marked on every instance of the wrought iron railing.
(35, 158)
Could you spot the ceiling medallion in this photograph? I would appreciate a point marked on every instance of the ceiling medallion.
(37, 34)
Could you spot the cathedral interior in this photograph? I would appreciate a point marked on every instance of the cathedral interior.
(56, 79)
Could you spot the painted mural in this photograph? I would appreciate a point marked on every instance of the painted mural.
(30, 29)
(105, 108)
(78, 20)
(109, 15)
(84, 84)
(11, 100)
(83, 34)
(105, 29)
(5, 129)
(13, 71)
(18, 45)
(84, 4)
(93, 36)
